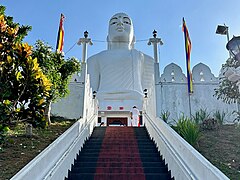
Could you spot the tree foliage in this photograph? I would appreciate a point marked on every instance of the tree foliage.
(56, 68)
(23, 86)
(30, 77)
(228, 91)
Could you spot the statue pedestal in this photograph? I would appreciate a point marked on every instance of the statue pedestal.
(119, 105)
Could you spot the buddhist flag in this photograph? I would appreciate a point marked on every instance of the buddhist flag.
(60, 37)
(188, 47)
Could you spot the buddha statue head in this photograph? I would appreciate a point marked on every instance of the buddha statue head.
(120, 32)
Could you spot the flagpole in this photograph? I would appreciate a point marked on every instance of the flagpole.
(189, 103)
(189, 74)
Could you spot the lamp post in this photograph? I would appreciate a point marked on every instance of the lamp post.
(233, 46)
(233, 74)
(154, 41)
(223, 30)
(84, 41)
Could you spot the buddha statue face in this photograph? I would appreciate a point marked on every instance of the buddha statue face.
(120, 29)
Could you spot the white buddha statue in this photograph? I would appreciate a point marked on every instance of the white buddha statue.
(121, 73)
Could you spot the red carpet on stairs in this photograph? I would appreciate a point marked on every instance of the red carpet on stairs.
(119, 156)
(119, 153)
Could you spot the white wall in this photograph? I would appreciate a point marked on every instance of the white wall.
(70, 106)
(173, 93)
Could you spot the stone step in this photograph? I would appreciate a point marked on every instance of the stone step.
(119, 176)
(106, 145)
(122, 164)
(121, 141)
(119, 159)
(151, 170)
(120, 150)
(117, 154)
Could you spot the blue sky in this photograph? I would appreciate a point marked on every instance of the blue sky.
(202, 18)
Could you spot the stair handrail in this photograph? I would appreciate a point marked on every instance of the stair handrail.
(68, 157)
(45, 164)
(183, 160)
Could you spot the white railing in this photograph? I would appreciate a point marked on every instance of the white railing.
(55, 161)
(182, 159)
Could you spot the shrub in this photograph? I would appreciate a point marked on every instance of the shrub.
(23, 86)
(188, 129)
(200, 116)
(219, 116)
(3, 131)
(165, 115)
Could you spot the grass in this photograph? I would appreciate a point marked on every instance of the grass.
(221, 147)
(18, 149)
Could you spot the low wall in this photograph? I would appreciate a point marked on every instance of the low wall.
(172, 93)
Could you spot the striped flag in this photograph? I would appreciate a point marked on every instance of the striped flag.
(188, 47)
(60, 37)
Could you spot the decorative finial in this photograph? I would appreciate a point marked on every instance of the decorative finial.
(85, 34)
(145, 93)
(154, 33)
(94, 94)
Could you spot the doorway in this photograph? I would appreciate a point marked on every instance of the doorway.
(121, 121)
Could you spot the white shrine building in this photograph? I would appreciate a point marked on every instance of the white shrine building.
(122, 77)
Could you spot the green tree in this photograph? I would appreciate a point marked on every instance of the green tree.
(228, 91)
(24, 88)
(57, 69)
(28, 85)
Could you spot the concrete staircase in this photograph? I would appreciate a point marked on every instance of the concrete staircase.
(119, 153)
